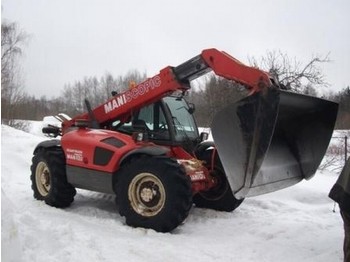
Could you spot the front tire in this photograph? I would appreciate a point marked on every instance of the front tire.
(220, 197)
(48, 176)
(153, 192)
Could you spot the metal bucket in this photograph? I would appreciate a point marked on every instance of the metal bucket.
(272, 140)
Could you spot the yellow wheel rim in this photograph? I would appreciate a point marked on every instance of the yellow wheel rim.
(146, 194)
(43, 178)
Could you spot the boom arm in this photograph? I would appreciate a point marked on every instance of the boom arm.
(171, 79)
(226, 66)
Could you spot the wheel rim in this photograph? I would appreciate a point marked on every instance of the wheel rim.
(146, 194)
(43, 178)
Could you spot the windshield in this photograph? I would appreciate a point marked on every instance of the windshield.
(152, 120)
(184, 125)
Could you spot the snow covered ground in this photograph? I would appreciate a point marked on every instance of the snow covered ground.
(294, 224)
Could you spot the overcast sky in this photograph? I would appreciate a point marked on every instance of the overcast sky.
(71, 39)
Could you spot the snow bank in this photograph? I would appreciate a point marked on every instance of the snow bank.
(10, 242)
(294, 224)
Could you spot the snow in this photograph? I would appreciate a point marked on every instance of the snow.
(294, 224)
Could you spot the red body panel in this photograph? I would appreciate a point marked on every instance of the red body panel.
(79, 147)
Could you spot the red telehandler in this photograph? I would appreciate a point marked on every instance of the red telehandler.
(143, 145)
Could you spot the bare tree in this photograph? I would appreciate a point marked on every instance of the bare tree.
(132, 76)
(108, 84)
(12, 94)
(95, 91)
(216, 94)
(291, 73)
(343, 98)
(337, 152)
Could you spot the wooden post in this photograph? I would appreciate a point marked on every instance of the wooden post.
(346, 148)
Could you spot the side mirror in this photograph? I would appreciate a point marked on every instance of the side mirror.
(204, 136)
(191, 108)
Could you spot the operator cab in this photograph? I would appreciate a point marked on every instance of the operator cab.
(169, 121)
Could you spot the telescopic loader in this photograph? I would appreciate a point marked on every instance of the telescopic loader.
(143, 145)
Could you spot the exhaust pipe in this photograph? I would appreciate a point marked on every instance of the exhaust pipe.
(272, 140)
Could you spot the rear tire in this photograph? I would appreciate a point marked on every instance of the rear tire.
(48, 176)
(220, 197)
(153, 192)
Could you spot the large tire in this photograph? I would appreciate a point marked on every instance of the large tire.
(220, 197)
(48, 176)
(153, 192)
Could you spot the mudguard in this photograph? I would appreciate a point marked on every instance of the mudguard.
(48, 144)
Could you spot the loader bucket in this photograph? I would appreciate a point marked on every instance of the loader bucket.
(272, 140)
